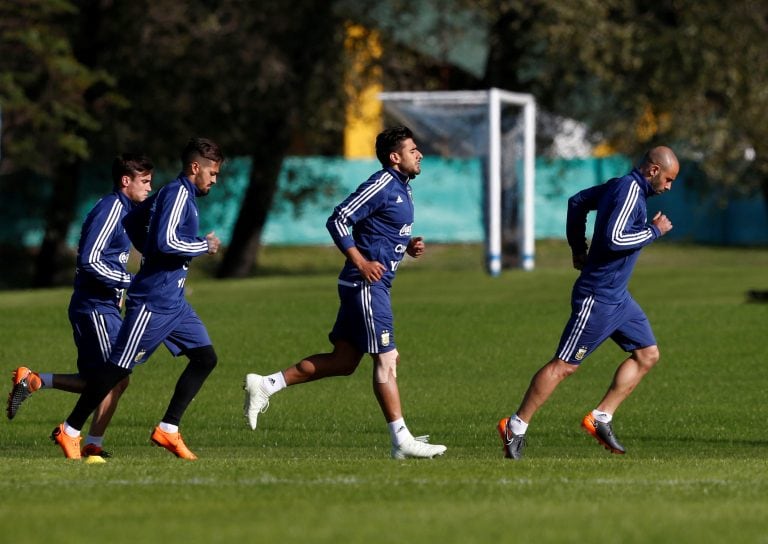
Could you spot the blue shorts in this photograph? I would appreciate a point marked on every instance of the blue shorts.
(144, 330)
(365, 317)
(94, 332)
(592, 322)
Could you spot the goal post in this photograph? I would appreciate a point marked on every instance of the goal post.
(489, 144)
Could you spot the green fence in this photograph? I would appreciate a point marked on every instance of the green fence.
(449, 196)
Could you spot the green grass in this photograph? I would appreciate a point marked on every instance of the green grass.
(317, 469)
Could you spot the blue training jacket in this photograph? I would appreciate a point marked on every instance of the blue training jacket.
(165, 228)
(378, 219)
(621, 231)
(102, 255)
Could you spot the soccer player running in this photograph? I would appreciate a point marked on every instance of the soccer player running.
(165, 228)
(101, 278)
(372, 227)
(601, 306)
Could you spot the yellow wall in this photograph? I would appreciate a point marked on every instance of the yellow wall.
(363, 115)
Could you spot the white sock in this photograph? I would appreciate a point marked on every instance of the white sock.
(71, 431)
(47, 380)
(517, 425)
(167, 427)
(398, 432)
(602, 417)
(274, 383)
(95, 440)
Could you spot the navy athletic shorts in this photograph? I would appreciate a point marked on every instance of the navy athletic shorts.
(94, 332)
(365, 317)
(592, 322)
(144, 330)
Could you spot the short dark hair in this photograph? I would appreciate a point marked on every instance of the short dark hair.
(201, 148)
(391, 140)
(129, 164)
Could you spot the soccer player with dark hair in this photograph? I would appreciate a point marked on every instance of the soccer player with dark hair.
(372, 228)
(601, 305)
(101, 278)
(165, 229)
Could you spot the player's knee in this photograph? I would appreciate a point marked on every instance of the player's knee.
(385, 366)
(204, 358)
(347, 370)
(561, 369)
(122, 385)
(109, 377)
(648, 356)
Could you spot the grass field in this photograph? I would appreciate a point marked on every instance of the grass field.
(318, 468)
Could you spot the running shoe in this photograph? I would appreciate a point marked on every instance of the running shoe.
(69, 445)
(256, 399)
(92, 450)
(513, 444)
(25, 382)
(417, 447)
(603, 433)
(173, 443)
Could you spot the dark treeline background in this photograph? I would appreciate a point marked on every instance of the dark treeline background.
(83, 80)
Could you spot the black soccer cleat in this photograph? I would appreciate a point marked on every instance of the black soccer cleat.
(603, 433)
(25, 382)
(514, 444)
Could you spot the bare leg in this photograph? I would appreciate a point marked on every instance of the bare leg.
(343, 361)
(543, 384)
(104, 412)
(387, 393)
(628, 376)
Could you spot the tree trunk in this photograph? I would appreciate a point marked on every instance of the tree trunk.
(241, 257)
(54, 265)
(764, 187)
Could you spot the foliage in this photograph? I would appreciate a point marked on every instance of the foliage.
(684, 72)
(259, 80)
(47, 116)
(233, 72)
(317, 468)
(92, 77)
(418, 40)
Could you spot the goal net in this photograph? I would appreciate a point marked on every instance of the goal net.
(497, 127)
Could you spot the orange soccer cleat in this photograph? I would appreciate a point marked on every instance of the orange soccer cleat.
(513, 444)
(92, 450)
(173, 443)
(25, 382)
(69, 445)
(603, 433)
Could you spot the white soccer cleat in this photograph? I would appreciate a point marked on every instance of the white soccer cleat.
(417, 447)
(256, 399)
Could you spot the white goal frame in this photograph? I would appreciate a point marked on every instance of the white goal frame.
(494, 98)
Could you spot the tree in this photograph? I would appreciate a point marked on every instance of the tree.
(686, 72)
(50, 101)
(260, 79)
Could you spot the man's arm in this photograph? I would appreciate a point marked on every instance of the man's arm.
(416, 247)
(94, 240)
(623, 231)
(371, 271)
(579, 206)
(171, 238)
(366, 199)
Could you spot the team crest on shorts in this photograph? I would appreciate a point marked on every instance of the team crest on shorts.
(139, 356)
(581, 353)
(385, 338)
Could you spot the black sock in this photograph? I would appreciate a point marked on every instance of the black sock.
(96, 388)
(202, 361)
